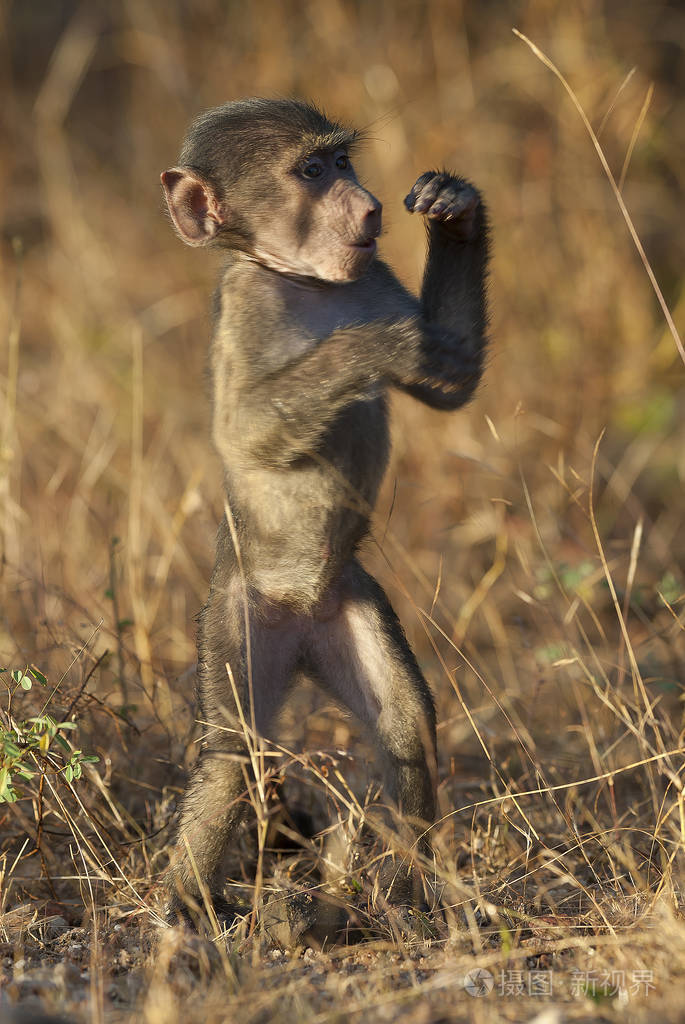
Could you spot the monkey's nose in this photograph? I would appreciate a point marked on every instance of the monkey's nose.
(372, 218)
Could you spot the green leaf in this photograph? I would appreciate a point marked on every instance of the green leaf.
(8, 794)
(77, 770)
(63, 743)
(90, 758)
(549, 653)
(26, 682)
(598, 993)
(506, 937)
(68, 773)
(17, 675)
(651, 413)
(668, 586)
(38, 676)
(67, 725)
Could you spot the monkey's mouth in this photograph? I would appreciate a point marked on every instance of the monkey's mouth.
(366, 245)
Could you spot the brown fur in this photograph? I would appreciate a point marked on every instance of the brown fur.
(311, 331)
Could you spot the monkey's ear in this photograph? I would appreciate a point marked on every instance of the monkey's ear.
(194, 208)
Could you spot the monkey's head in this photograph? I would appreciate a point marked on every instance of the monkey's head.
(274, 179)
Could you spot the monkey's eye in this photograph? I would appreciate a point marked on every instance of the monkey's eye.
(343, 162)
(313, 169)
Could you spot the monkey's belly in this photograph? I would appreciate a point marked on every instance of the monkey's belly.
(300, 537)
(305, 521)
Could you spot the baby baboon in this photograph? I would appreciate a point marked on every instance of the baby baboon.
(311, 329)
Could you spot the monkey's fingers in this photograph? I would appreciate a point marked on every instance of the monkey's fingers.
(456, 199)
(425, 191)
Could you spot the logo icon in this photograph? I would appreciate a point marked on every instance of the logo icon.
(478, 982)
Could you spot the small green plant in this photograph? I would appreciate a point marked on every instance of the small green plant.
(34, 745)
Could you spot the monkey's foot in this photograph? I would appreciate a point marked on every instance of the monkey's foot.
(192, 915)
(396, 884)
(291, 919)
(412, 921)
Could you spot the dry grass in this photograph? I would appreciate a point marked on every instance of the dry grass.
(532, 545)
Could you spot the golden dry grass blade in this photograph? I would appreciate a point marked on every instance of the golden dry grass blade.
(615, 189)
(633, 138)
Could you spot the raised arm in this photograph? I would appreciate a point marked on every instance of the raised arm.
(453, 303)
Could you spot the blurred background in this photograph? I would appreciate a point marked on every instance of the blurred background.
(488, 525)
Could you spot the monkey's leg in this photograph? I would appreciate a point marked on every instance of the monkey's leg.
(216, 799)
(362, 657)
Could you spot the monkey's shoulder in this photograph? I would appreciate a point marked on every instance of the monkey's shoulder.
(245, 290)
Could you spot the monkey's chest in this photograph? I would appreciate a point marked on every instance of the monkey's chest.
(315, 314)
